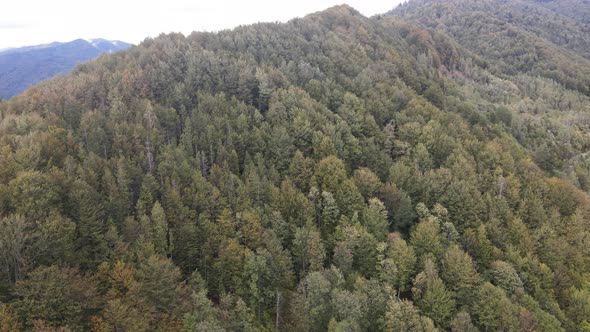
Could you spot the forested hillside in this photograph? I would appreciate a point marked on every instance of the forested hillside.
(576, 9)
(336, 172)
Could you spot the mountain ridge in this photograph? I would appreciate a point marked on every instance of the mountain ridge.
(335, 172)
(516, 33)
(24, 66)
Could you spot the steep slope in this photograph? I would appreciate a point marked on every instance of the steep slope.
(523, 69)
(332, 173)
(578, 10)
(22, 67)
(513, 36)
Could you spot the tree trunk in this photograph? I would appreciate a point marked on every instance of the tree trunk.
(278, 310)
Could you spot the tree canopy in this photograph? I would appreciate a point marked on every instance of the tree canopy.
(424, 170)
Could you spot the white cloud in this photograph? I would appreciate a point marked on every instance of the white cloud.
(30, 22)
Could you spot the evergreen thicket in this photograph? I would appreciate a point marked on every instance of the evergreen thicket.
(422, 170)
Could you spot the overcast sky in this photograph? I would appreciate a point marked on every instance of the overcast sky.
(32, 22)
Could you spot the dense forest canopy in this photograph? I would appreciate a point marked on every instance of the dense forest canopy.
(422, 170)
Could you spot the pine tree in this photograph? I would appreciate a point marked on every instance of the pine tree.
(159, 232)
(308, 250)
(92, 244)
(375, 219)
(460, 274)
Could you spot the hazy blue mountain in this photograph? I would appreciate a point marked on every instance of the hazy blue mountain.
(22, 67)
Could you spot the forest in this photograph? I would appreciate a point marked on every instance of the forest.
(422, 170)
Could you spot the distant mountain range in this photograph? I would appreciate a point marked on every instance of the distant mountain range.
(22, 67)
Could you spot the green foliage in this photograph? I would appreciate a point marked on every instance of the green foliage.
(89, 213)
(8, 319)
(375, 219)
(431, 295)
(55, 240)
(57, 296)
(399, 265)
(460, 274)
(503, 275)
(425, 237)
(403, 316)
(308, 250)
(329, 174)
(348, 198)
(349, 306)
(301, 171)
(158, 230)
(160, 286)
(335, 172)
(399, 207)
(33, 194)
(14, 236)
(493, 310)
(462, 322)
(579, 309)
(367, 182)
(313, 295)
